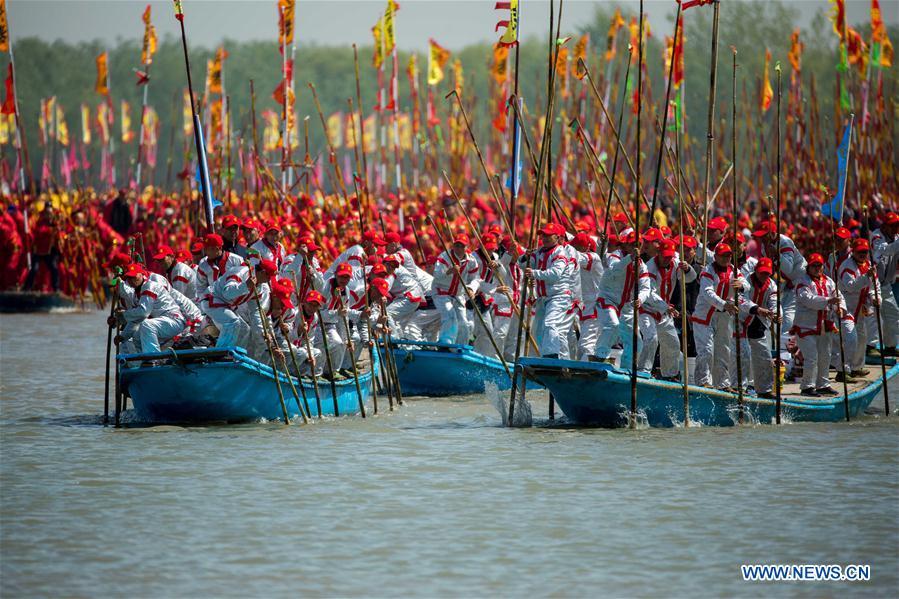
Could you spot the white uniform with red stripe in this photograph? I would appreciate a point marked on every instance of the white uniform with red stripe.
(885, 252)
(485, 298)
(335, 326)
(152, 318)
(656, 325)
(755, 337)
(450, 297)
(590, 269)
(424, 279)
(183, 278)
(266, 251)
(713, 327)
(305, 273)
(315, 343)
(812, 326)
(407, 297)
(354, 256)
(503, 314)
(792, 266)
(209, 271)
(555, 271)
(230, 304)
(192, 314)
(615, 306)
(856, 283)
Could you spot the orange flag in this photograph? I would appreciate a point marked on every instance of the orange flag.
(767, 91)
(102, 75)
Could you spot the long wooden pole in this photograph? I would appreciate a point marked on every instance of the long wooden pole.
(777, 324)
(266, 333)
(351, 349)
(635, 335)
(310, 357)
(710, 136)
(371, 342)
(655, 188)
(331, 372)
(733, 146)
(112, 307)
(685, 364)
(296, 365)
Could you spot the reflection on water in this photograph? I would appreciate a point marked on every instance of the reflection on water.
(433, 499)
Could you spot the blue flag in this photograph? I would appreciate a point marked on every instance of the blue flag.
(203, 173)
(513, 180)
(834, 208)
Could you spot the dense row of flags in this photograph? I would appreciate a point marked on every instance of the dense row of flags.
(389, 133)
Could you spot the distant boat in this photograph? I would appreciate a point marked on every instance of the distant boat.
(12, 302)
(223, 385)
(599, 394)
(441, 369)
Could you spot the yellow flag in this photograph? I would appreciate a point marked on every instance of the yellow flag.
(214, 72)
(62, 128)
(458, 76)
(377, 32)
(437, 58)
(270, 137)
(102, 75)
(350, 131)
(4, 28)
(187, 118)
(127, 133)
(404, 124)
(286, 22)
(103, 118)
(562, 70)
(85, 124)
(510, 35)
(151, 124)
(389, 32)
(616, 24)
(369, 131)
(335, 129)
(149, 47)
(4, 130)
(580, 53)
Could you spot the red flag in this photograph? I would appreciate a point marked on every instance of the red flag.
(9, 105)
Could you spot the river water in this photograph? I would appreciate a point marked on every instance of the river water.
(433, 499)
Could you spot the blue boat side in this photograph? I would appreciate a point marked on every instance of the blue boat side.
(224, 385)
(599, 394)
(441, 369)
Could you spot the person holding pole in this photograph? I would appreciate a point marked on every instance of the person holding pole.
(758, 310)
(885, 252)
(856, 281)
(452, 270)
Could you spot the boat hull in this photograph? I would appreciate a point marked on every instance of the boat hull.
(598, 394)
(224, 385)
(442, 369)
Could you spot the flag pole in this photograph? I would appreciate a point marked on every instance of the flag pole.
(777, 328)
(713, 78)
(636, 256)
(198, 129)
(655, 189)
(736, 242)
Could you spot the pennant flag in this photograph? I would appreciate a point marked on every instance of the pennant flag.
(389, 32)
(350, 131)
(270, 136)
(616, 24)
(335, 129)
(795, 53)
(4, 28)
(278, 94)
(4, 130)
(369, 134)
(214, 72)
(500, 70)
(510, 35)
(838, 17)
(203, 171)
(767, 91)
(102, 75)
(103, 122)
(437, 59)
(9, 104)
(187, 118)
(62, 129)
(377, 33)
(580, 53)
(562, 70)
(856, 50)
(286, 14)
(127, 133)
(85, 124)
(834, 208)
(691, 3)
(458, 76)
(149, 46)
(881, 47)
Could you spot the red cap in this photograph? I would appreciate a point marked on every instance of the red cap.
(314, 297)
(612, 239)
(666, 231)
(268, 266)
(843, 233)
(652, 234)
(372, 236)
(229, 220)
(891, 218)
(196, 247)
(669, 248)
(718, 224)
(394, 258)
(282, 290)
(381, 285)
(462, 238)
(378, 269)
(621, 217)
(272, 226)
(134, 269)
(853, 224)
(815, 259)
(582, 226)
(183, 256)
(162, 252)
(490, 242)
(690, 241)
(250, 223)
(764, 265)
(860, 244)
(630, 237)
(723, 249)
(213, 240)
(119, 259)
(392, 237)
(762, 230)
(344, 269)
(582, 239)
(552, 229)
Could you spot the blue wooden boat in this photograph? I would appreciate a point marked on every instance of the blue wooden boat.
(599, 394)
(223, 385)
(440, 369)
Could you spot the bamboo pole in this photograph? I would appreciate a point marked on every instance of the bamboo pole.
(733, 142)
(635, 336)
(777, 324)
(331, 372)
(713, 78)
(685, 365)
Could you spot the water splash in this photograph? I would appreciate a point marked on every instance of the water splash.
(522, 418)
(641, 417)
